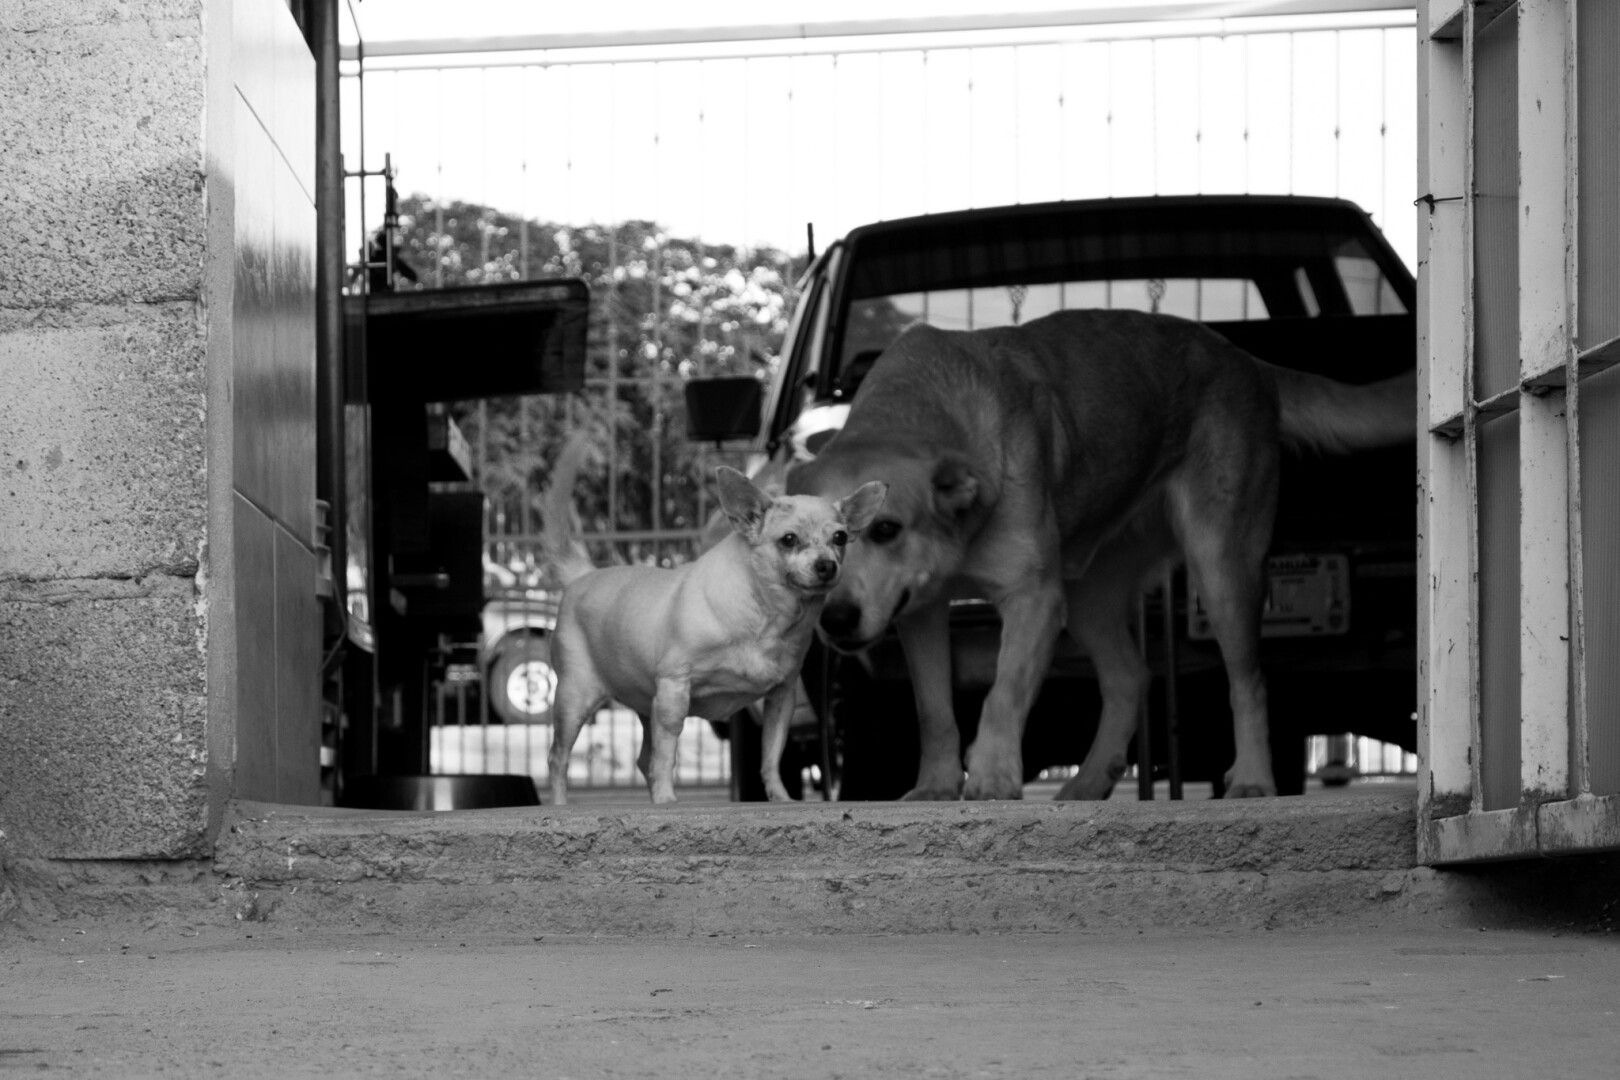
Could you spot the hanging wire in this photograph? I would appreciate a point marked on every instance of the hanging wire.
(1017, 113)
(526, 75)
(971, 56)
(1153, 116)
(1338, 114)
(655, 490)
(927, 199)
(1292, 43)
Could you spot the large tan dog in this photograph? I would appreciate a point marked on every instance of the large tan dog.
(1053, 468)
(706, 638)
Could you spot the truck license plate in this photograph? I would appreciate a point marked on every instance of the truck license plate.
(1308, 596)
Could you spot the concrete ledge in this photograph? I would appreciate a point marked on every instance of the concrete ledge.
(1338, 863)
(271, 842)
(822, 868)
(140, 890)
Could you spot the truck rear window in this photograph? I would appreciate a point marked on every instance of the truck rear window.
(1214, 268)
(1213, 299)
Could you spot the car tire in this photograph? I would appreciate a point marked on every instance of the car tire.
(522, 683)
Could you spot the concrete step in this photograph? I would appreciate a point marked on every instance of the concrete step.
(1343, 858)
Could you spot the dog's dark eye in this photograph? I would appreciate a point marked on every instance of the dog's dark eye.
(789, 541)
(883, 530)
(840, 538)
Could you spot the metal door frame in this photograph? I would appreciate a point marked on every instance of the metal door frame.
(1556, 811)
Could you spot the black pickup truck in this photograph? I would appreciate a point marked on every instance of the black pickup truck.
(1307, 283)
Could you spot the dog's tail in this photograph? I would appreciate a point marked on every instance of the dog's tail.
(1336, 418)
(562, 537)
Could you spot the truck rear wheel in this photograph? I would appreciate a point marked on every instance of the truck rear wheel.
(522, 683)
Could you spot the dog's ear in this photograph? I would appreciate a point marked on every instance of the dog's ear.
(743, 503)
(957, 487)
(860, 506)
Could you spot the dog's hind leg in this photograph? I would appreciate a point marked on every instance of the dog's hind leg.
(662, 737)
(1224, 525)
(578, 695)
(644, 755)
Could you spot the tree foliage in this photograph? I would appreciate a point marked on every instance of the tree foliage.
(664, 309)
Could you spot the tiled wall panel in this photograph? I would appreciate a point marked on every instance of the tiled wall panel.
(257, 669)
(278, 629)
(298, 658)
(274, 400)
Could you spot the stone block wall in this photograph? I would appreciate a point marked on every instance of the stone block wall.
(103, 365)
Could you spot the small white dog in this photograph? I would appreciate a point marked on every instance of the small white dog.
(706, 638)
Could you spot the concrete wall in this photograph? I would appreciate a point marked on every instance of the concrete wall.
(125, 407)
(102, 420)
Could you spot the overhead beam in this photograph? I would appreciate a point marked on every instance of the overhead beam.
(1150, 11)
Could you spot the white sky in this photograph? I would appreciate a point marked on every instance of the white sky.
(748, 150)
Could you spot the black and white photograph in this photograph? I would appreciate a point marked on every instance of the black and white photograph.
(815, 540)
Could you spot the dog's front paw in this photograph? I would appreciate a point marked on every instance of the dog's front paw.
(938, 781)
(993, 773)
(933, 793)
(1085, 788)
(1093, 784)
(993, 787)
(1248, 787)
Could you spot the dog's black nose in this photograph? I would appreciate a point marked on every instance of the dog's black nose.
(826, 569)
(841, 619)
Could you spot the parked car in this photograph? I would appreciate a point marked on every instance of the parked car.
(1308, 283)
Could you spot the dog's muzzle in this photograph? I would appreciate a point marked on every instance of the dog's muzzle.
(841, 625)
(841, 620)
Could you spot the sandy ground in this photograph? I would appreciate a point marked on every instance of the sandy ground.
(159, 997)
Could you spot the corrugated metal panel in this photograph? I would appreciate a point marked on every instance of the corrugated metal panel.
(1496, 204)
(1598, 92)
(1499, 682)
(1600, 526)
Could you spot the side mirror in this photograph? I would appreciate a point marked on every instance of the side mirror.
(724, 408)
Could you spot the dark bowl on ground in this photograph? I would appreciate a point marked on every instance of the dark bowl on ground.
(439, 792)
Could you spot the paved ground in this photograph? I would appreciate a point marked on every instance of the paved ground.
(408, 946)
(157, 996)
